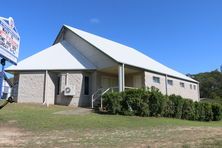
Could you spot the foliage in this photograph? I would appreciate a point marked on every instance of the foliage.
(204, 111)
(112, 102)
(169, 108)
(188, 110)
(197, 111)
(208, 112)
(135, 102)
(156, 103)
(177, 106)
(145, 102)
(210, 84)
(217, 111)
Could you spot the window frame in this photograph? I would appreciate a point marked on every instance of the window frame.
(156, 79)
(170, 84)
(195, 87)
(191, 86)
(182, 84)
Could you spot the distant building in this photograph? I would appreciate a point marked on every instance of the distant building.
(78, 64)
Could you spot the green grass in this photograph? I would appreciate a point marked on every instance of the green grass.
(212, 100)
(98, 130)
(38, 117)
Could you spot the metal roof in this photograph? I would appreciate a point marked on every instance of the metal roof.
(127, 55)
(61, 56)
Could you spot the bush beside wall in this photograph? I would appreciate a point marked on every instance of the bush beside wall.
(217, 112)
(156, 103)
(113, 102)
(145, 102)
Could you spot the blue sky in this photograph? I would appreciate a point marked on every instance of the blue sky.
(185, 35)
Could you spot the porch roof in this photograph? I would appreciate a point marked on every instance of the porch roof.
(61, 56)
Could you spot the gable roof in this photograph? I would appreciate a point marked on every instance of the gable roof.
(60, 56)
(50, 58)
(135, 58)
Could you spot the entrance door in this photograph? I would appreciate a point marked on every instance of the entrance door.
(137, 81)
(109, 82)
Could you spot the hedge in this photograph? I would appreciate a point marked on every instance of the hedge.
(113, 102)
(146, 102)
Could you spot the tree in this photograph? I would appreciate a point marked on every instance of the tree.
(210, 84)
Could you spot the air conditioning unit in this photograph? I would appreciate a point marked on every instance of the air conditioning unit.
(69, 90)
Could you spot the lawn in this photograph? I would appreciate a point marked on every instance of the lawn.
(29, 125)
(211, 100)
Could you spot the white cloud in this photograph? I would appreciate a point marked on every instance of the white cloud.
(94, 20)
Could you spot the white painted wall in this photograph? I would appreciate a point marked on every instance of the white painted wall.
(75, 79)
(185, 92)
(50, 87)
(149, 81)
(176, 89)
(31, 87)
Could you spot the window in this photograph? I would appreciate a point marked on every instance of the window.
(86, 85)
(191, 86)
(194, 87)
(58, 85)
(182, 84)
(156, 79)
(170, 82)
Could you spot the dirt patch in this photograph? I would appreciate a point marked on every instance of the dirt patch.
(185, 137)
(12, 137)
(124, 137)
(117, 137)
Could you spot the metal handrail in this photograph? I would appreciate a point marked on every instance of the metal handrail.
(127, 87)
(97, 95)
(100, 92)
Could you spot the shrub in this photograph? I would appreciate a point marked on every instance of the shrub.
(112, 102)
(197, 111)
(142, 102)
(177, 102)
(135, 102)
(204, 111)
(200, 112)
(169, 108)
(208, 112)
(188, 110)
(157, 103)
(217, 111)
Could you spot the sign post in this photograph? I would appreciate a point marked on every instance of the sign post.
(2, 75)
(9, 45)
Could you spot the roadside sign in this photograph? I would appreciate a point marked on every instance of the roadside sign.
(9, 40)
(9, 45)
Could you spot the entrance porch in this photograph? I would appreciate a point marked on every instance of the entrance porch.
(117, 78)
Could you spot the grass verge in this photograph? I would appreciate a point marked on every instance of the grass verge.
(39, 126)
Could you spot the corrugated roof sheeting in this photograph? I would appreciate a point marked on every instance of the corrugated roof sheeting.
(134, 57)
